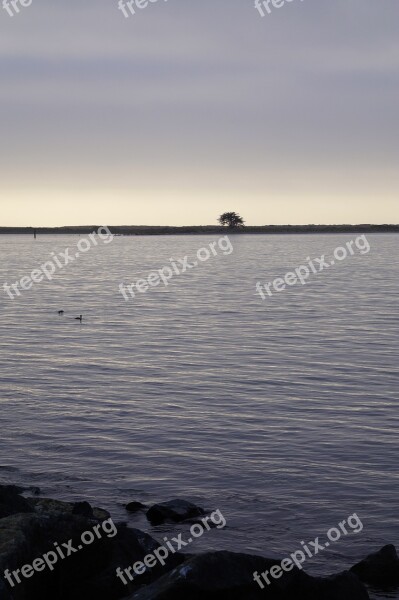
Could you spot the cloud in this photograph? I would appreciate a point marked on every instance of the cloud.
(193, 91)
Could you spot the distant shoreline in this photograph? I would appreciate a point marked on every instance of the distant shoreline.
(202, 230)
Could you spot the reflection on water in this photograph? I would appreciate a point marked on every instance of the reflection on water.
(282, 413)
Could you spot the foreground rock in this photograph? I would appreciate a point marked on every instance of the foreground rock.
(33, 527)
(174, 511)
(89, 572)
(229, 576)
(11, 503)
(380, 569)
(134, 507)
(47, 506)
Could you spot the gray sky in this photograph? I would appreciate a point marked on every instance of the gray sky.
(192, 107)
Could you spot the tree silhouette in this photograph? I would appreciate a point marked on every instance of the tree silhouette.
(231, 219)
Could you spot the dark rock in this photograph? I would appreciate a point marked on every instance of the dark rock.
(88, 573)
(47, 506)
(30, 528)
(229, 576)
(11, 503)
(344, 586)
(4, 593)
(83, 508)
(174, 510)
(135, 507)
(131, 546)
(380, 569)
(13, 489)
(23, 538)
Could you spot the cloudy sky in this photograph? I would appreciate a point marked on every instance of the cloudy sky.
(192, 107)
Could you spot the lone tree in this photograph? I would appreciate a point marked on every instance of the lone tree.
(231, 219)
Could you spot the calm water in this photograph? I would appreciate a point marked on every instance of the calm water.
(281, 413)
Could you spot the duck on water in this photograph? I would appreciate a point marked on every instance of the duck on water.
(79, 318)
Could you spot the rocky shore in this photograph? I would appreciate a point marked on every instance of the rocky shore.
(41, 546)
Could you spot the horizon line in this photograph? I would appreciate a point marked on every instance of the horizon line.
(215, 226)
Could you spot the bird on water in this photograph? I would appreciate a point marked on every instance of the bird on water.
(60, 312)
(80, 318)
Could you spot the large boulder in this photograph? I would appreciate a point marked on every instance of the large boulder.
(380, 569)
(4, 593)
(11, 502)
(25, 538)
(343, 586)
(87, 572)
(134, 507)
(129, 547)
(230, 576)
(48, 506)
(173, 511)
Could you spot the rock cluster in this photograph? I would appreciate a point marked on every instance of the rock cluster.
(30, 527)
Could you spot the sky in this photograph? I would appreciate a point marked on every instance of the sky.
(190, 108)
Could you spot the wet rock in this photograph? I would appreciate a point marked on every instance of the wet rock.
(380, 569)
(14, 489)
(344, 586)
(131, 546)
(53, 507)
(83, 508)
(174, 511)
(11, 503)
(133, 507)
(229, 576)
(4, 593)
(24, 538)
(37, 526)
(89, 571)
(15, 532)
